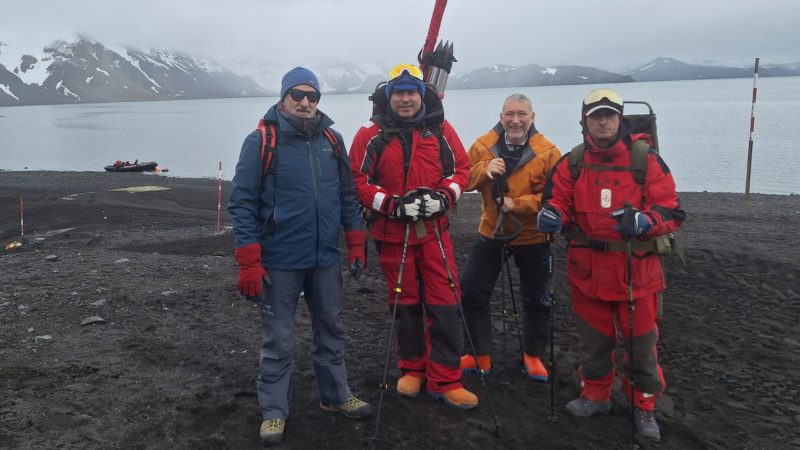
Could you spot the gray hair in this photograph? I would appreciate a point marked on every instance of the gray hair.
(518, 97)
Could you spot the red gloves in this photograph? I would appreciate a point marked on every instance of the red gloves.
(356, 254)
(251, 272)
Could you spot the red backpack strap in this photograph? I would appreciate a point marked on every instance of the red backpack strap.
(331, 137)
(268, 143)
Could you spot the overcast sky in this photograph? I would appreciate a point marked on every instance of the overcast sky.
(611, 34)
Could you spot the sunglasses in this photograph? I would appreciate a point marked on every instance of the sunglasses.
(297, 95)
(412, 70)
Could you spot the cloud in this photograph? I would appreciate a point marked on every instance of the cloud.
(607, 34)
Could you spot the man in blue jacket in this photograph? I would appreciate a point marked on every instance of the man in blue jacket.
(287, 217)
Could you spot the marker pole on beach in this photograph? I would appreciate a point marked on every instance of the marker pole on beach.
(219, 197)
(21, 218)
(752, 128)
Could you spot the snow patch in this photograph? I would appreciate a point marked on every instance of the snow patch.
(88, 80)
(646, 67)
(550, 71)
(7, 90)
(103, 71)
(67, 92)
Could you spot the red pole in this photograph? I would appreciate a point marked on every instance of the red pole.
(219, 197)
(21, 218)
(752, 129)
(433, 32)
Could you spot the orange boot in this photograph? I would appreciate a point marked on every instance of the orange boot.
(459, 398)
(535, 369)
(409, 385)
(468, 364)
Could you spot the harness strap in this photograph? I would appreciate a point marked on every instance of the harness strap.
(659, 244)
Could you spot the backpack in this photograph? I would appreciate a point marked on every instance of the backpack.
(269, 143)
(638, 165)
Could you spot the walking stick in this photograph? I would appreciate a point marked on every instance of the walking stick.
(397, 289)
(506, 255)
(631, 308)
(551, 300)
(452, 283)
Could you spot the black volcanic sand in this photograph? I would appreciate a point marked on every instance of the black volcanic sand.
(173, 365)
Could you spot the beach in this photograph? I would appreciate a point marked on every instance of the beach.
(121, 327)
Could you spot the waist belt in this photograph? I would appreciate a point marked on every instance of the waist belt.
(660, 244)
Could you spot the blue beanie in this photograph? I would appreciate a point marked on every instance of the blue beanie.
(296, 77)
(405, 82)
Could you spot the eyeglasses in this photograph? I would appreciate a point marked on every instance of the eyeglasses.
(398, 70)
(297, 95)
(600, 95)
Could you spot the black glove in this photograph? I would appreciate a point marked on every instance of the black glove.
(549, 219)
(406, 207)
(434, 203)
(632, 223)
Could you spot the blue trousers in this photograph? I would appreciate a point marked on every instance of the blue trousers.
(323, 293)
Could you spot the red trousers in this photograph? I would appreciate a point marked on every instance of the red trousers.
(429, 339)
(599, 322)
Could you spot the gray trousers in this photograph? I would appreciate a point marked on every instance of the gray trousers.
(323, 293)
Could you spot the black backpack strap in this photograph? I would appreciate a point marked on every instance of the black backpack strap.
(268, 145)
(639, 151)
(576, 160)
(638, 166)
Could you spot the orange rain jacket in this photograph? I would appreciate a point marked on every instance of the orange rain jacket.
(525, 182)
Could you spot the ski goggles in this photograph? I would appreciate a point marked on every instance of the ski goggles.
(602, 99)
(398, 71)
(298, 95)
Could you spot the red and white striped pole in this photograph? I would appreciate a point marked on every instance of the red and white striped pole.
(219, 197)
(752, 129)
(21, 218)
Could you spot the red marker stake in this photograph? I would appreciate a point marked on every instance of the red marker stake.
(219, 197)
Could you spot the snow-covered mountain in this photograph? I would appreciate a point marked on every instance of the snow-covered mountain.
(663, 69)
(86, 71)
(532, 75)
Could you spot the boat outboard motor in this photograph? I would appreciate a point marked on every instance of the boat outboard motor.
(437, 66)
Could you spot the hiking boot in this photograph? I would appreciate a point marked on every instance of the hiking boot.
(353, 408)
(271, 431)
(460, 398)
(583, 407)
(535, 369)
(646, 424)
(409, 386)
(468, 364)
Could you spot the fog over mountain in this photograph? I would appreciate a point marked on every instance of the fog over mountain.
(85, 71)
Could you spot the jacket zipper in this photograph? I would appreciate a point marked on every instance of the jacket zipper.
(314, 161)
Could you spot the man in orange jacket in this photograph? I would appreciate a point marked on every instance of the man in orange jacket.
(508, 166)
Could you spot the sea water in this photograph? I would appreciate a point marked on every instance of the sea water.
(703, 129)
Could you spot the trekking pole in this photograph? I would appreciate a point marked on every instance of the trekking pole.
(631, 308)
(506, 256)
(397, 289)
(21, 218)
(551, 300)
(503, 307)
(452, 283)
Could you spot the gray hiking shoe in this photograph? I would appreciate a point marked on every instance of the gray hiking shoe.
(583, 407)
(353, 408)
(646, 424)
(271, 432)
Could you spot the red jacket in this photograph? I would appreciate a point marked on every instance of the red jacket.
(588, 203)
(378, 177)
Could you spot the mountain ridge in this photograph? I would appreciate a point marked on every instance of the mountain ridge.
(84, 71)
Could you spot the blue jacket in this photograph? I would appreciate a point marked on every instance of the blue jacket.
(299, 209)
